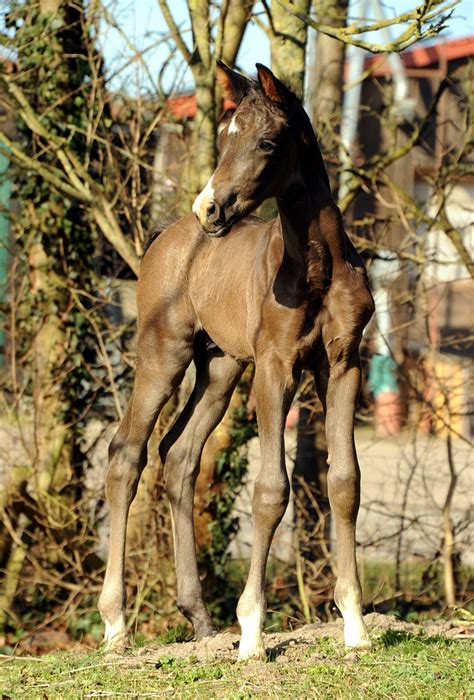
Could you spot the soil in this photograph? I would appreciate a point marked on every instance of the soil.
(285, 647)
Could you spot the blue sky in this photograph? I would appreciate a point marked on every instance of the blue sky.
(145, 28)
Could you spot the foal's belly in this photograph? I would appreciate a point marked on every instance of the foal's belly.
(224, 318)
(245, 329)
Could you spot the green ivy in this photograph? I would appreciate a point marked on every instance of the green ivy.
(59, 269)
(55, 55)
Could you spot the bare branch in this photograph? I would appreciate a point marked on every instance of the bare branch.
(201, 26)
(174, 30)
(74, 182)
(416, 19)
(234, 18)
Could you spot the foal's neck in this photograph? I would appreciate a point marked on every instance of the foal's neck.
(310, 220)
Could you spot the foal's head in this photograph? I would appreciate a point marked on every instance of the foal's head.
(262, 149)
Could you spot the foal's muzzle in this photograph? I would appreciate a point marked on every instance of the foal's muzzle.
(212, 220)
(212, 216)
(210, 213)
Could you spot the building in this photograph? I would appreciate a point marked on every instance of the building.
(424, 288)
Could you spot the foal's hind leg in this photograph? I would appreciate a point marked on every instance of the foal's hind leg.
(338, 394)
(156, 377)
(216, 378)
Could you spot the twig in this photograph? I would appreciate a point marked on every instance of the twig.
(415, 18)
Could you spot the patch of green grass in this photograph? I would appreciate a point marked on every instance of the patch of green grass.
(179, 633)
(400, 666)
(421, 585)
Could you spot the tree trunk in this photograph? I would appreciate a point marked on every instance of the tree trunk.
(201, 163)
(310, 474)
(50, 232)
(313, 515)
(288, 46)
(288, 43)
(326, 79)
(51, 456)
(203, 155)
(234, 24)
(52, 459)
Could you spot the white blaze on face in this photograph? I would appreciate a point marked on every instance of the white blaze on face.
(202, 201)
(233, 128)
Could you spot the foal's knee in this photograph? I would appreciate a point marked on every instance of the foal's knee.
(126, 463)
(270, 501)
(344, 491)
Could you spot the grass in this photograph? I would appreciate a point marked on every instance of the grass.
(421, 592)
(399, 666)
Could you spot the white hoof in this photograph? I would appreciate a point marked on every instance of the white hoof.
(115, 637)
(251, 641)
(247, 652)
(355, 635)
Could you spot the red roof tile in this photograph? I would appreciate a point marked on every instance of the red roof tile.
(424, 56)
(184, 106)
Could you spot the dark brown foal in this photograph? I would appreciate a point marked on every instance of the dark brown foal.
(225, 288)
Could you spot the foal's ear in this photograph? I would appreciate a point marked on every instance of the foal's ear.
(235, 85)
(272, 87)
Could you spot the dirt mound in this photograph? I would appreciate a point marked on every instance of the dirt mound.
(283, 646)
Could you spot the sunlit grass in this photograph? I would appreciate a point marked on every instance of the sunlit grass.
(401, 665)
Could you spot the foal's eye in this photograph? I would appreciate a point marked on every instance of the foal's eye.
(266, 146)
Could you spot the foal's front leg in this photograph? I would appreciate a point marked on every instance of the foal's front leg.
(155, 380)
(274, 387)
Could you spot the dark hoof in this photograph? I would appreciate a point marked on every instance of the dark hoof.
(199, 618)
(205, 630)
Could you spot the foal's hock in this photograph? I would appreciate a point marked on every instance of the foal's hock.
(289, 294)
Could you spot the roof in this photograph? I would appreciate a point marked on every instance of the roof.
(424, 56)
(184, 106)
